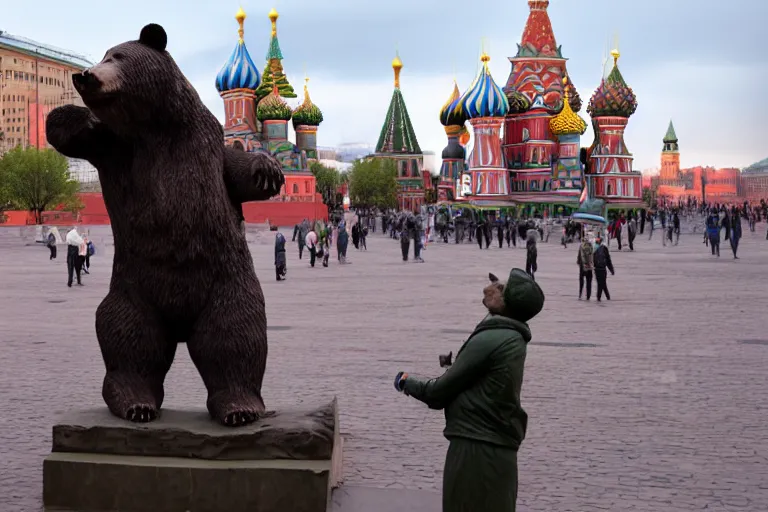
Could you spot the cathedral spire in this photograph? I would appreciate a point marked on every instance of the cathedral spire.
(273, 71)
(538, 38)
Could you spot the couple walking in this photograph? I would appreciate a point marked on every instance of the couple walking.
(79, 251)
(594, 258)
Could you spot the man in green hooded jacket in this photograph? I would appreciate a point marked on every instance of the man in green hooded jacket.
(480, 393)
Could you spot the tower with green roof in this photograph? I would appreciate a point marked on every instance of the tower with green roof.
(398, 141)
(273, 71)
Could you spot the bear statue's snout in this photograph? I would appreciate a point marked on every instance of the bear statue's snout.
(85, 81)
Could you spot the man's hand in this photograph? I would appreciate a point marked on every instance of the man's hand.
(446, 360)
(400, 381)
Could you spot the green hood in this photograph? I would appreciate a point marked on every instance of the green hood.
(523, 297)
(502, 322)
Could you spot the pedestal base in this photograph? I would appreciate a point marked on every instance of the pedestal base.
(185, 462)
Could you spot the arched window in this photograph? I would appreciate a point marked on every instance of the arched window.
(534, 155)
(608, 190)
(295, 188)
(306, 187)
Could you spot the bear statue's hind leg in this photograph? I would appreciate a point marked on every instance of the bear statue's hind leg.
(229, 348)
(137, 356)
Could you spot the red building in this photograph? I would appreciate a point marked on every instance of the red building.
(535, 91)
(609, 167)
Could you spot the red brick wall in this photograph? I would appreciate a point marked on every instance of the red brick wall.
(95, 213)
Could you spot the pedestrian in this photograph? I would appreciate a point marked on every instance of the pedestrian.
(676, 227)
(713, 230)
(51, 243)
(300, 232)
(485, 423)
(500, 233)
(90, 251)
(735, 234)
(342, 241)
(532, 254)
(631, 231)
(280, 260)
(586, 266)
(73, 253)
(311, 243)
(603, 264)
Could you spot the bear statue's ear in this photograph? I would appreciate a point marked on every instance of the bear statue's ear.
(493, 278)
(154, 36)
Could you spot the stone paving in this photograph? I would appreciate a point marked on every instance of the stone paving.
(654, 401)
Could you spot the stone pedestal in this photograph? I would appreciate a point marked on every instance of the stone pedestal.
(184, 462)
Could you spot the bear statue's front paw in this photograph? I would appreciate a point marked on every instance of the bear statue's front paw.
(141, 413)
(236, 410)
(131, 397)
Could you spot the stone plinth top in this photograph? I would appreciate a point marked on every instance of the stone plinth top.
(300, 434)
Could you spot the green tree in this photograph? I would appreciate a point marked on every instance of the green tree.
(373, 183)
(327, 182)
(38, 179)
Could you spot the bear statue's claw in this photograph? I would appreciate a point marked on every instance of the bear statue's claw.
(236, 411)
(239, 418)
(141, 413)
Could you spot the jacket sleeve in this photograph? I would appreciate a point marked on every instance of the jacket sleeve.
(473, 362)
(578, 259)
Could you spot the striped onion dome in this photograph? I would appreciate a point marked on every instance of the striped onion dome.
(449, 116)
(239, 72)
(483, 98)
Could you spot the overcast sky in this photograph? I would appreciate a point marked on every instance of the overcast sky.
(701, 63)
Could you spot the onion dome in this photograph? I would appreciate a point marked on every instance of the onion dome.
(518, 102)
(239, 72)
(574, 98)
(449, 116)
(307, 113)
(273, 107)
(483, 98)
(567, 122)
(614, 97)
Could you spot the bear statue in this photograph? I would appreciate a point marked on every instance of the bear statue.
(182, 270)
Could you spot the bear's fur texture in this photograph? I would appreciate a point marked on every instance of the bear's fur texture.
(182, 271)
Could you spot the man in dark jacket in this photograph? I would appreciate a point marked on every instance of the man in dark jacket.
(480, 394)
(280, 260)
(602, 260)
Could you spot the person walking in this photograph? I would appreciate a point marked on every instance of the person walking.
(631, 231)
(342, 241)
(51, 243)
(82, 253)
(73, 252)
(713, 231)
(532, 254)
(586, 266)
(735, 233)
(280, 259)
(300, 232)
(603, 264)
(311, 243)
(676, 227)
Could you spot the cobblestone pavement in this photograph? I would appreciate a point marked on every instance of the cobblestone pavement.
(654, 401)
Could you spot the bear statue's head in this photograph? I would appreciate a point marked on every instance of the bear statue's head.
(137, 84)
